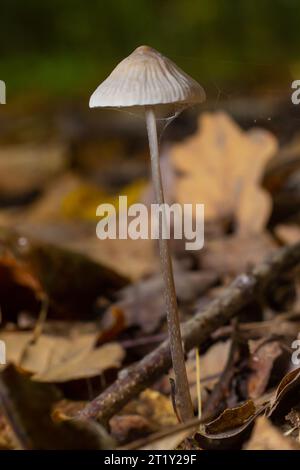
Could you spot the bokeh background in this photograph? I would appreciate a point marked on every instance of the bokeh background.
(59, 159)
(66, 47)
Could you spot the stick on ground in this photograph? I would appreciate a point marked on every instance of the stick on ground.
(245, 288)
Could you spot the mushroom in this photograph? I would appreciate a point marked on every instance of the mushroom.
(148, 82)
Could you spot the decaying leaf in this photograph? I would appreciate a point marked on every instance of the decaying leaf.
(294, 418)
(288, 234)
(265, 436)
(235, 254)
(126, 428)
(143, 302)
(72, 280)
(231, 418)
(221, 166)
(8, 440)
(129, 258)
(263, 356)
(148, 413)
(58, 359)
(170, 442)
(36, 163)
(212, 364)
(154, 406)
(289, 383)
(230, 428)
(28, 404)
(19, 288)
(167, 439)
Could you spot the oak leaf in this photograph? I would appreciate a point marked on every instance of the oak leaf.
(221, 166)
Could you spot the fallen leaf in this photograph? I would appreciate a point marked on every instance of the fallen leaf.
(129, 258)
(170, 442)
(212, 364)
(28, 404)
(58, 359)
(143, 302)
(82, 202)
(168, 439)
(288, 234)
(235, 254)
(20, 290)
(265, 436)
(263, 356)
(148, 413)
(8, 440)
(294, 418)
(221, 166)
(127, 428)
(36, 163)
(231, 418)
(230, 428)
(289, 383)
(72, 280)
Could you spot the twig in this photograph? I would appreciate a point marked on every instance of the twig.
(219, 391)
(195, 332)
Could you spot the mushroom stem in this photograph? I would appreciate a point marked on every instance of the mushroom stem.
(183, 397)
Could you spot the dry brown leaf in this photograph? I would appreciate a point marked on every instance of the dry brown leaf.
(221, 166)
(58, 359)
(127, 428)
(153, 406)
(71, 280)
(263, 356)
(28, 405)
(265, 436)
(288, 234)
(230, 428)
(212, 364)
(143, 302)
(36, 164)
(235, 254)
(170, 442)
(131, 258)
(289, 383)
(231, 418)
(148, 413)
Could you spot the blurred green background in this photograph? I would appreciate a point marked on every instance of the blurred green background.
(68, 46)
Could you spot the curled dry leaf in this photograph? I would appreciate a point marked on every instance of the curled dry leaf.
(231, 418)
(230, 428)
(265, 436)
(221, 166)
(289, 383)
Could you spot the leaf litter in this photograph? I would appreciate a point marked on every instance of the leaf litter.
(103, 295)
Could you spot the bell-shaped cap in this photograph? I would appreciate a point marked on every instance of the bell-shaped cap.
(144, 78)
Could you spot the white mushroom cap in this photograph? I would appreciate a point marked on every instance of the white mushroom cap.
(146, 77)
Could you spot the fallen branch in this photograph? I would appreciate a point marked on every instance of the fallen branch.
(245, 288)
